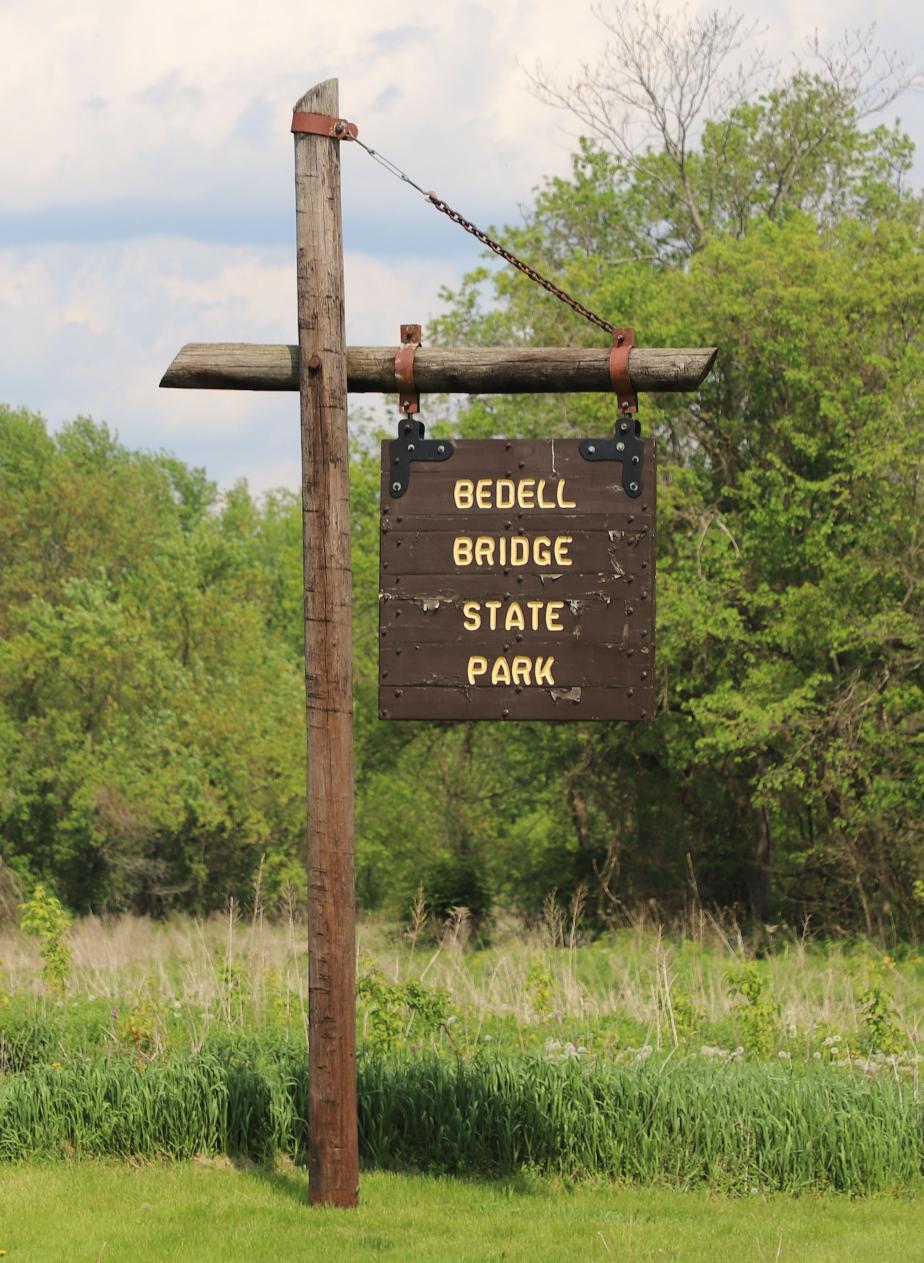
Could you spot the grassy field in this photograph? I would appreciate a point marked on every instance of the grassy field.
(210, 1212)
(645, 1057)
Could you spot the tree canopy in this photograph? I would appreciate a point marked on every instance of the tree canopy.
(151, 747)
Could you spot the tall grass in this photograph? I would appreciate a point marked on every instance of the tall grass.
(635, 975)
(738, 1128)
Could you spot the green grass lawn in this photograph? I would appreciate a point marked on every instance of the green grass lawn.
(202, 1212)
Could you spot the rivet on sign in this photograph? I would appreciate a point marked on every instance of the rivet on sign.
(634, 460)
(384, 675)
(630, 692)
(441, 449)
(631, 519)
(633, 486)
(643, 633)
(397, 653)
(630, 653)
(396, 486)
(398, 692)
(620, 446)
(411, 447)
(644, 675)
(623, 426)
(591, 449)
(506, 713)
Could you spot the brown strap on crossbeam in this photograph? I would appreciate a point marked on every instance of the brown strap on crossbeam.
(408, 395)
(623, 342)
(324, 125)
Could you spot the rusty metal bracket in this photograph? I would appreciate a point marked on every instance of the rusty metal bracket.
(623, 342)
(410, 445)
(408, 395)
(627, 447)
(324, 125)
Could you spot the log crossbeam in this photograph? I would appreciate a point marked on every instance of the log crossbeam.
(442, 370)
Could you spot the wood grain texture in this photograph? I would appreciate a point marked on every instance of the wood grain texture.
(333, 1144)
(442, 370)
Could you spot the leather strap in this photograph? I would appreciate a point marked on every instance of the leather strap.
(623, 342)
(324, 125)
(408, 395)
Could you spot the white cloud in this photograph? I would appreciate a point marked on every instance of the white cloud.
(146, 182)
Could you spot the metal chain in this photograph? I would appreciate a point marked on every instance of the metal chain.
(508, 257)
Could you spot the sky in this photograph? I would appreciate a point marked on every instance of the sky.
(146, 186)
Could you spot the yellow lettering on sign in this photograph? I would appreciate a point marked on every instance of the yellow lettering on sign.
(514, 620)
(519, 550)
(484, 551)
(464, 493)
(521, 669)
(471, 615)
(476, 666)
(492, 607)
(500, 672)
(551, 615)
(483, 493)
(540, 497)
(506, 492)
(525, 493)
(562, 502)
(512, 550)
(543, 671)
(462, 550)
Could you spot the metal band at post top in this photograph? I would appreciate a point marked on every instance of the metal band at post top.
(623, 342)
(408, 395)
(324, 125)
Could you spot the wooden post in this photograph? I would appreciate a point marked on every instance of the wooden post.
(333, 1144)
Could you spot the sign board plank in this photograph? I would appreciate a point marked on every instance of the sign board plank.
(517, 582)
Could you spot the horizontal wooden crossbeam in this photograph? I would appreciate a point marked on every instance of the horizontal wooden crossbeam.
(442, 370)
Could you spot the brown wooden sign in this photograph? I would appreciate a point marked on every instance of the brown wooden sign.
(517, 582)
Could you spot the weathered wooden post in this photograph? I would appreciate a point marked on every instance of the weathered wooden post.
(333, 1144)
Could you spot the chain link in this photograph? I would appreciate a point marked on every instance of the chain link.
(562, 295)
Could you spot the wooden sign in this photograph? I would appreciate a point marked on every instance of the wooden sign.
(517, 582)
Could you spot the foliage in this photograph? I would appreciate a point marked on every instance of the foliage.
(882, 1032)
(43, 916)
(757, 1013)
(151, 678)
(393, 1013)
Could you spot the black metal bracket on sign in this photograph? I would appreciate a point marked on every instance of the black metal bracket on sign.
(627, 446)
(410, 445)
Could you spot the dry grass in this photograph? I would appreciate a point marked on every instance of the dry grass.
(640, 973)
